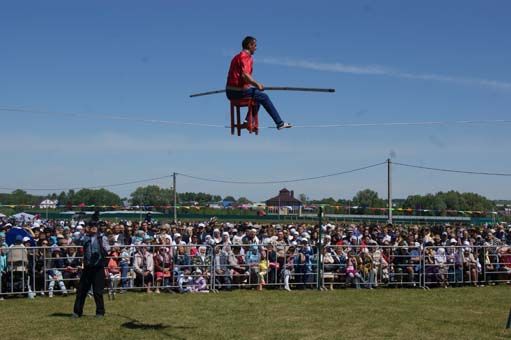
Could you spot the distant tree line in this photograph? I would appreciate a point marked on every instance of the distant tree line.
(153, 195)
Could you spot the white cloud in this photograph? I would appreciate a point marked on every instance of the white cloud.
(378, 70)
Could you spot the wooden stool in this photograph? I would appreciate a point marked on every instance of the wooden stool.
(252, 118)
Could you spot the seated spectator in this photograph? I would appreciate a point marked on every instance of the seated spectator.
(200, 284)
(289, 267)
(113, 272)
(17, 265)
(238, 266)
(54, 269)
(185, 281)
(505, 262)
(263, 269)
(442, 269)
(353, 269)
(144, 267)
(163, 268)
(274, 266)
(221, 265)
(181, 261)
(72, 266)
(470, 266)
(202, 261)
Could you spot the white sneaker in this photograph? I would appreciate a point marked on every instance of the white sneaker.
(284, 125)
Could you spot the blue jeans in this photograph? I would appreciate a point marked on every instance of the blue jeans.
(124, 275)
(261, 98)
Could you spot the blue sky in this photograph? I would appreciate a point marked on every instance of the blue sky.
(392, 61)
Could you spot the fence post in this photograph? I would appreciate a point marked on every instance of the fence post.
(320, 250)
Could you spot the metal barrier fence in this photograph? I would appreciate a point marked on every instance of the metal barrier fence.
(204, 268)
(462, 265)
(371, 266)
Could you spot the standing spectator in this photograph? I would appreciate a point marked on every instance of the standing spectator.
(3, 263)
(222, 271)
(252, 258)
(124, 264)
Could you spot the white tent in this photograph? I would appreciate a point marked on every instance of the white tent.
(23, 217)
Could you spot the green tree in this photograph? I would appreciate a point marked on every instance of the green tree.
(368, 198)
(152, 195)
(243, 200)
(96, 197)
(303, 198)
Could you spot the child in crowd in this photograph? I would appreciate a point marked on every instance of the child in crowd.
(263, 270)
(185, 281)
(54, 271)
(200, 284)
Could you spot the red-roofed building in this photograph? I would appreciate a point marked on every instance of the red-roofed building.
(284, 200)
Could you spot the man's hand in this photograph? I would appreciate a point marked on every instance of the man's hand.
(260, 86)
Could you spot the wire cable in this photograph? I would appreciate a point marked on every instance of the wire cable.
(454, 171)
(281, 181)
(316, 126)
(108, 117)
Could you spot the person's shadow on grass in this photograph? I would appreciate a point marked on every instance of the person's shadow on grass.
(136, 324)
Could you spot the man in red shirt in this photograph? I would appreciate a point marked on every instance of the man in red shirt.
(241, 84)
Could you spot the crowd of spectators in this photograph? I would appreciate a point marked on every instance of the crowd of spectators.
(208, 256)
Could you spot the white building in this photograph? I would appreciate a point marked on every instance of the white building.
(48, 204)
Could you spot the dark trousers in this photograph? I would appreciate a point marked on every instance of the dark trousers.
(261, 98)
(95, 277)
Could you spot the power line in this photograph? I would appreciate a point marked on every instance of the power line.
(298, 126)
(91, 187)
(454, 171)
(198, 178)
(267, 181)
(280, 181)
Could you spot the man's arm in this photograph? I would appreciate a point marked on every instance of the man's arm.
(106, 245)
(248, 78)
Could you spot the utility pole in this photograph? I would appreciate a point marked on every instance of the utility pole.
(389, 189)
(175, 197)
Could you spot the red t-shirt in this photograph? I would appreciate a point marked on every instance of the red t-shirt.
(241, 63)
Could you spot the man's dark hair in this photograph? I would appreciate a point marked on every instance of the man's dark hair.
(247, 41)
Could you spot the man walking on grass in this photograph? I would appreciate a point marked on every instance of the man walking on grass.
(95, 250)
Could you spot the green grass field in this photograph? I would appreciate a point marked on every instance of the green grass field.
(460, 313)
